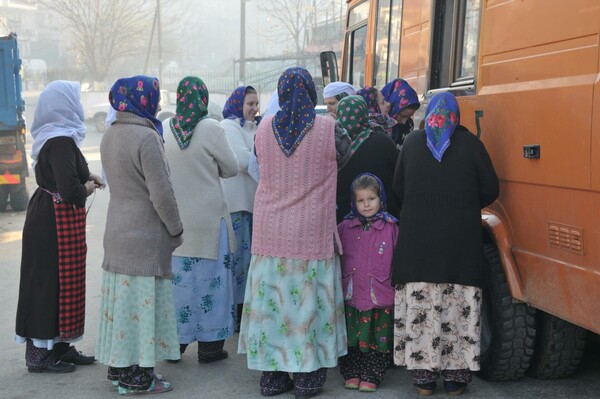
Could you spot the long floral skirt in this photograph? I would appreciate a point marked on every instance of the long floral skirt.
(437, 326)
(242, 228)
(293, 316)
(204, 295)
(137, 321)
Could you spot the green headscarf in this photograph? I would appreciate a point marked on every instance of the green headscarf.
(192, 107)
(353, 114)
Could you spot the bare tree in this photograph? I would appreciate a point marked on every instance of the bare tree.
(295, 18)
(103, 32)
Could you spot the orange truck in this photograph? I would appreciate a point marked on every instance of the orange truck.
(527, 76)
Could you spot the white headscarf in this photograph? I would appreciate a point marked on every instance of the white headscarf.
(111, 116)
(335, 88)
(58, 113)
(273, 106)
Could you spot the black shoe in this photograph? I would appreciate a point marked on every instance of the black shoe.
(426, 389)
(307, 395)
(74, 356)
(454, 388)
(213, 357)
(57, 368)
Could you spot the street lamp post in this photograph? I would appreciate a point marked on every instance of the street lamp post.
(243, 40)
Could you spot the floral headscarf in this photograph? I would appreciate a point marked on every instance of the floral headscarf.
(234, 107)
(139, 95)
(297, 100)
(400, 95)
(382, 214)
(58, 113)
(353, 114)
(376, 118)
(443, 115)
(192, 107)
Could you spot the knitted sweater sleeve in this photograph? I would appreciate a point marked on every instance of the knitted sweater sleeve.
(156, 173)
(342, 145)
(238, 145)
(221, 151)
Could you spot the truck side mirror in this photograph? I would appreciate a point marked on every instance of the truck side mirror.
(329, 67)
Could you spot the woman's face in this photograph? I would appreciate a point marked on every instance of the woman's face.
(384, 106)
(250, 106)
(405, 115)
(332, 104)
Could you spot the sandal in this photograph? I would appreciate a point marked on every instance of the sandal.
(157, 386)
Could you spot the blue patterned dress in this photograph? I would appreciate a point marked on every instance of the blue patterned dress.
(204, 295)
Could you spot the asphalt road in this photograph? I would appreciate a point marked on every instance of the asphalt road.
(226, 379)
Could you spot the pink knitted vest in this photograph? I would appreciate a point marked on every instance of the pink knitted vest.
(294, 207)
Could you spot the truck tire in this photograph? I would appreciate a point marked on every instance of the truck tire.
(19, 196)
(3, 197)
(100, 122)
(507, 327)
(559, 347)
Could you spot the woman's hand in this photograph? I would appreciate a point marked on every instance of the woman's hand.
(90, 186)
(97, 180)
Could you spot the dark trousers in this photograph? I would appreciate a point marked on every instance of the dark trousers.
(367, 366)
(276, 382)
(422, 376)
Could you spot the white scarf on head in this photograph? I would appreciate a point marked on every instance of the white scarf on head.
(335, 88)
(58, 113)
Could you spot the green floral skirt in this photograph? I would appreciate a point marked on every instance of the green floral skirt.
(370, 330)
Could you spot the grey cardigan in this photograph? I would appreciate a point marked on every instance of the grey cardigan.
(195, 172)
(142, 224)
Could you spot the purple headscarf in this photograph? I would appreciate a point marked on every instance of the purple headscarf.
(139, 95)
(443, 115)
(382, 214)
(297, 100)
(234, 107)
(400, 96)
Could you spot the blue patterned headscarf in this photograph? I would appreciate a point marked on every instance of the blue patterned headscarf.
(297, 100)
(400, 96)
(234, 107)
(443, 115)
(139, 95)
(382, 214)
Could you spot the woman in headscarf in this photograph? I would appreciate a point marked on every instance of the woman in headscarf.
(372, 151)
(378, 109)
(203, 281)
(137, 315)
(240, 123)
(334, 92)
(293, 318)
(51, 307)
(444, 177)
(404, 102)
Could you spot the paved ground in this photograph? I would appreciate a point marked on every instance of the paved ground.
(227, 379)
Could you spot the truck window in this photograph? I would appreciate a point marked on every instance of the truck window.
(387, 41)
(455, 43)
(356, 44)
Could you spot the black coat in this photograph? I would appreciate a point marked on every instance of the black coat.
(440, 237)
(61, 168)
(378, 155)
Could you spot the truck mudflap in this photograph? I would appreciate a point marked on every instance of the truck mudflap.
(10, 178)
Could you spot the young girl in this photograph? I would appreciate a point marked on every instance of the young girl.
(368, 234)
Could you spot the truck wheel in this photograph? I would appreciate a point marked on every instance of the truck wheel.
(507, 327)
(100, 122)
(558, 349)
(3, 197)
(19, 196)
